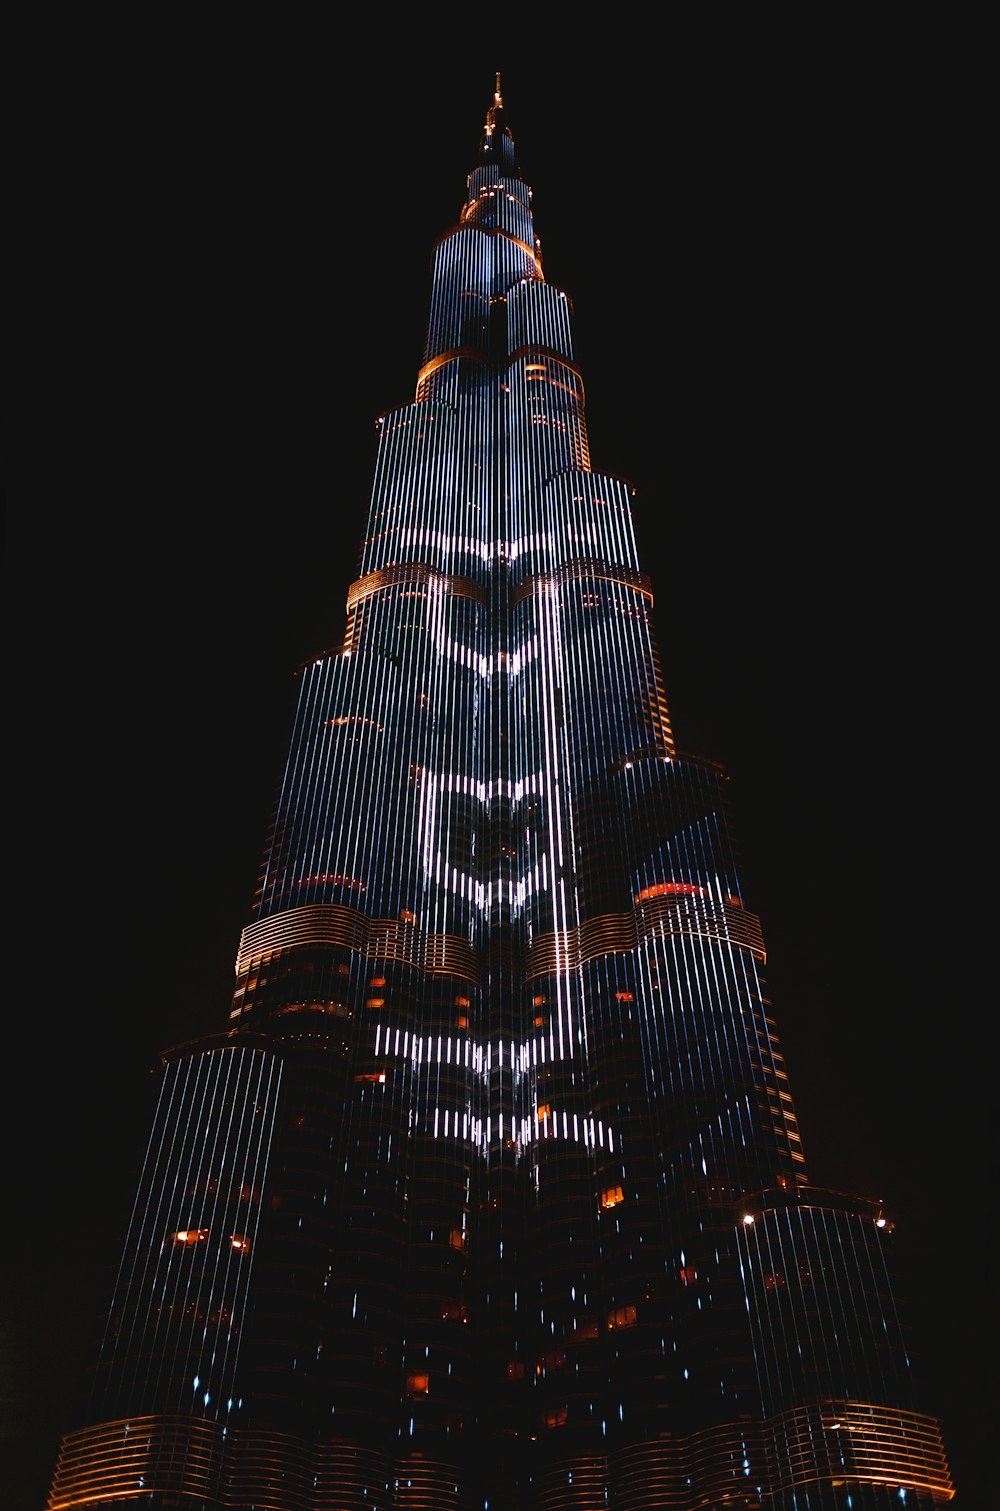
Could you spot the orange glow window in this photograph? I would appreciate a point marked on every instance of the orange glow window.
(624, 997)
(407, 917)
(417, 1385)
(327, 877)
(612, 1196)
(670, 889)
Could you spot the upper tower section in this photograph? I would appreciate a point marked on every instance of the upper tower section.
(498, 198)
(484, 270)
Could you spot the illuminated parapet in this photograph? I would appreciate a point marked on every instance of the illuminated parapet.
(176, 1460)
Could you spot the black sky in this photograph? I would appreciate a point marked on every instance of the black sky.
(238, 261)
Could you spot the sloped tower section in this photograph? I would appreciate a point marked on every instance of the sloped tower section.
(488, 1192)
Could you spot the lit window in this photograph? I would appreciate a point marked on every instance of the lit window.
(688, 1274)
(457, 1238)
(326, 878)
(189, 1236)
(417, 1385)
(622, 1316)
(670, 889)
(624, 997)
(774, 1282)
(407, 917)
(462, 1002)
(375, 1002)
(612, 1196)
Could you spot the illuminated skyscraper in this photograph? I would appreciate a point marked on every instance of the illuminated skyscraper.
(489, 1192)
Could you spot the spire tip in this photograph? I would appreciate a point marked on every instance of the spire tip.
(497, 105)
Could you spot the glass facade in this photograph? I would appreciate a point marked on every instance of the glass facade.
(489, 1191)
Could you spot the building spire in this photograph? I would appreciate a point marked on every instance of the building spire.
(497, 105)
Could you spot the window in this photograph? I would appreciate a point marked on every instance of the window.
(671, 889)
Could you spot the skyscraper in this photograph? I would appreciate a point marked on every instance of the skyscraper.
(489, 1190)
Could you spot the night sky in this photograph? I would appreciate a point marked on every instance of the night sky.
(239, 269)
